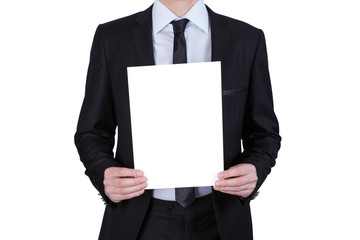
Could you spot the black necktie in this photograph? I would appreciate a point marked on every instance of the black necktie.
(179, 41)
(184, 196)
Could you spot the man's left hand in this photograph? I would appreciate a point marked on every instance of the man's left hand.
(238, 180)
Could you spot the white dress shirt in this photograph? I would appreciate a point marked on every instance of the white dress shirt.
(198, 49)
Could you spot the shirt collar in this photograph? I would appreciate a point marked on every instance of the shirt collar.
(162, 16)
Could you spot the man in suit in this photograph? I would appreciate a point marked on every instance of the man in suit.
(148, 38)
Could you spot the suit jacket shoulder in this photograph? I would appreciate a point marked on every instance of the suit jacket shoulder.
(124, 24)
(239, 29)
(127, 41)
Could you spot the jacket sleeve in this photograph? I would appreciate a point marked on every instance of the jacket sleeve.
(261, 139)
(94, 137)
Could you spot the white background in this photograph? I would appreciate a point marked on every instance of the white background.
(314, 53)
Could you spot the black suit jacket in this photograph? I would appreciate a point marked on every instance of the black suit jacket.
(248, 115)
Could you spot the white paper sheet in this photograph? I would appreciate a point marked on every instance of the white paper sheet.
(176, 121)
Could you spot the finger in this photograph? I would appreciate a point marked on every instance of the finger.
(232, 172)
(243, 193)
(132, 195)
(246, 187)
(236, 171)
(237, 181)
(119, 197)
(117, 172)
(125, 191)
(232, 182)
(124, 182)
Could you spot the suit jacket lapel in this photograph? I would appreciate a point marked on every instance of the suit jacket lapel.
(142, 36)
(220, 41)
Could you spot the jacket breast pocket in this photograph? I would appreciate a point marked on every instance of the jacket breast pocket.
(232, 91)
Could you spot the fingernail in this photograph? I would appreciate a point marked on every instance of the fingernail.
(220, 175)
(139, 173)
(218, 184)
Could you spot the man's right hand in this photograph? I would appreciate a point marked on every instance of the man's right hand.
(123, 183)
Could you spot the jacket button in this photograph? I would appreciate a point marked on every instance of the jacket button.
(171, 209)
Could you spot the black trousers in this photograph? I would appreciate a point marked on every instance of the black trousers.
(167, 220)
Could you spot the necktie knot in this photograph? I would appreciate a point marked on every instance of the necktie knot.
(179, 26)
